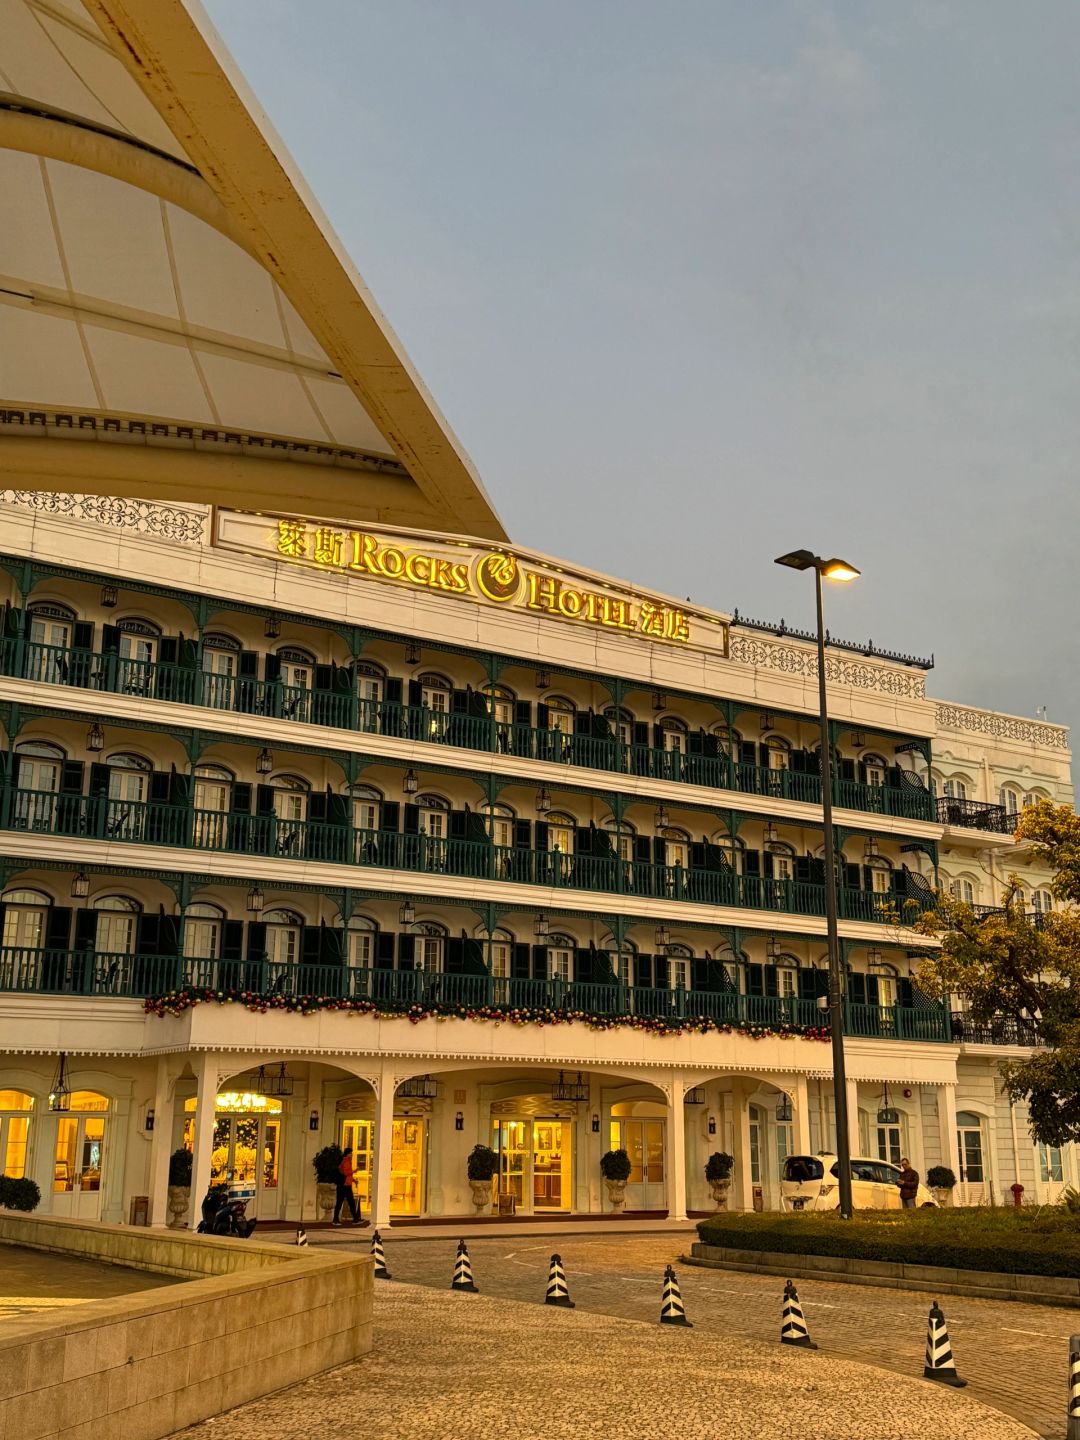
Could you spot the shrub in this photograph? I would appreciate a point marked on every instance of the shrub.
(19, 1194)
(1032, 1240)
(615, 1165)
(940, 1177)
(180, 1168)
(1070, 1198)
(719, 1166)
(326, 1163)
(482, 1163)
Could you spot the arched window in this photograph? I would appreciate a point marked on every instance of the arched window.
(1042, 901)
(622, 725)
(51, 627)
(622, 837)
(371, 688)
(561, 834)
(138, 646)
(787, 976)
(881, 875)
(560, 714)
(955, 788)
(623, 960)
(778, 752)
(213, 787)
(220, 665)
(676, 847)
(202, 930)
(673, 732)
(874, 769)
(429, 948)
(361, 942)
(781, 859)
(435, 693)
(498, 949)
(117, 925)
(434, 820)
(962, 889)
(969, 1145)
(501, 701)
(366, 807)
(15, 1113)
(680, 960)
(560, 958)
(284, 929)
(296, 671)
(39, 769)
(1012, 798)
(129, 777)
(26, 916)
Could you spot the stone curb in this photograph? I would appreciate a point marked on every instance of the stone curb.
(1056, 1290)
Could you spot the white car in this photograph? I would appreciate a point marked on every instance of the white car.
(811, 1182)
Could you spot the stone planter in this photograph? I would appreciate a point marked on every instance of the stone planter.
(616, 1194)
(481, 1194)
(942, 1194)
(720, 1190)
(325, 1196)
(179, 1198)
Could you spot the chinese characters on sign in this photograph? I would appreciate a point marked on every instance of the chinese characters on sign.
(495, 576)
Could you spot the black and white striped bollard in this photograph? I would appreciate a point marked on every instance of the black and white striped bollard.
(793, 1329)
(672, 1310)
(940, 1364)
(463, 1270)
(381, 1272)
(557, 1290)
(301, 1235)
(1073, 1431)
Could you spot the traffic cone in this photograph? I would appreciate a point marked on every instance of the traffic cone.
(940, 1365)
(672, 1311)
(381, 1272)
(463, 1270)
(1073, 1432)
(301, 1235)
(793, 1329)
(557, 1293)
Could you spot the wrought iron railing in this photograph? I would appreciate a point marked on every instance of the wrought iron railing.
(138, 822)
(74, 972)
(1006, 1030)
(974, 815)
(345, 710)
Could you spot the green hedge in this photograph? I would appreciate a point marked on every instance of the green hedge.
(1029, 1241)
(18, 1194)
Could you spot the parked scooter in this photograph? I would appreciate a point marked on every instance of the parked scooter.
(222, 1215)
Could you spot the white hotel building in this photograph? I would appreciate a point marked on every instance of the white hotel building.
(378, 830)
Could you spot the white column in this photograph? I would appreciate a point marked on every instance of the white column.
(206, 1077)
(594, 1147)
(677, 1151)
(801, 1105)
(854, 1130)
(742, 1191)
(161, 1147)
(384, 1140)
(946, 1109)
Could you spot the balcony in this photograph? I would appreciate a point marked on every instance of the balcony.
(342, 709)
(1003, 1031)
(974, 815)
(69, 972)
(100, 817)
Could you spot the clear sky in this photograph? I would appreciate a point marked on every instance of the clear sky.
(700, 281)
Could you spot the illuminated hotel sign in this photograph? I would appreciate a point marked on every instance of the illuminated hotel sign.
(497, 577)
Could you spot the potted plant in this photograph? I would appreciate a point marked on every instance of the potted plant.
(327, 1163)
(179, 1195)
(18, 1194)
(718, 1169)
(482, 1165)
(941, 1181)
(615, 1168)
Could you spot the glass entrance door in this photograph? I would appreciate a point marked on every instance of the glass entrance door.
(551, 1165)
(643, 1141)
(406, 1163)
(247, 1148)
(511, 1145)
(78, 1166)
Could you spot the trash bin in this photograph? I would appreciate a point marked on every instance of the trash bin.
(139, 1212)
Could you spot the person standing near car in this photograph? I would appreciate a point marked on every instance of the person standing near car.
(909, 1184)
(345, 1188)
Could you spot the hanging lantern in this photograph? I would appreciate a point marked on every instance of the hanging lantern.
(255, 900)
(407, 913)
(858, 739)
(772, 947)
(543, 680)
(410, 784)
(80, 886)
(783, 1108)
(60, 1094)
(420, 1087)
(870, 849)
(659, 700)
(540, 928)
(264, 762)
(873, 956)
(694, 1096)
(95, 738)
(412, 653)
(543, 801)
(662, 818)
(282, 1083)
(272, 628)
(574, 1090)
(768, 721)
(771, 835)
(887, 1115)
(663, 938)
(109, 597)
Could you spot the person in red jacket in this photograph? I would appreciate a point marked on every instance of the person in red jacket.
(345, 1194)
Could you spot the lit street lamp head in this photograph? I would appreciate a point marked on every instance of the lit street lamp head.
(833, 569)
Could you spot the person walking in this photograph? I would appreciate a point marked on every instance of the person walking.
(909, 1184)
(345, 1188)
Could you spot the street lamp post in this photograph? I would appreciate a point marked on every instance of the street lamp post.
(832, 570)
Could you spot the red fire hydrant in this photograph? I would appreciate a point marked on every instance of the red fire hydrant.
(1017, 1194)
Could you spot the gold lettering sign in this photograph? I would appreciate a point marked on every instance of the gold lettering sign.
(496, 576)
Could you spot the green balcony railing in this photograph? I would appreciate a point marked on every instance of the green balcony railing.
(344, 710)
(29, 971)
(107, 818)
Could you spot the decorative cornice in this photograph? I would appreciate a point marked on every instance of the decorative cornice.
(802, 661)
(1005, 727)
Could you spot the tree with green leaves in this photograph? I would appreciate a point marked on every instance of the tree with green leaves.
(1012, 965)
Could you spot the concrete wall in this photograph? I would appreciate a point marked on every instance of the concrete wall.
(142, 1366)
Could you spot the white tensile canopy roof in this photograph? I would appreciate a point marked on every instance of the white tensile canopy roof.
(177, 319)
